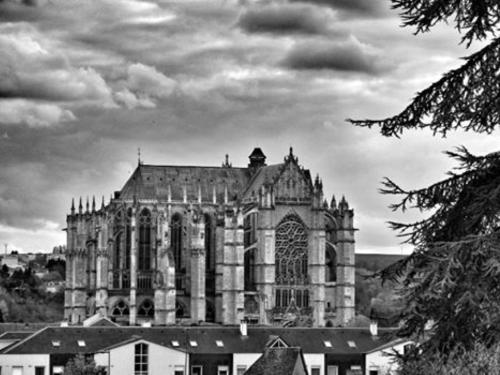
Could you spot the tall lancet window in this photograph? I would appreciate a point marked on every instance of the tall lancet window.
(249, 242)
(330, 252)
(176, 243)
(144, 259)
(118, 227)
(291, 263)
(128, 238)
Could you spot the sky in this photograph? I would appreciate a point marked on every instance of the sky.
(84, 84)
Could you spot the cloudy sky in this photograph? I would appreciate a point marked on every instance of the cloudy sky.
(83, 84)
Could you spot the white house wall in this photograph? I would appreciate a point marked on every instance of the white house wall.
(244, 359)
(161, 360)
(315, 360)
(27, 361)
(383, 361)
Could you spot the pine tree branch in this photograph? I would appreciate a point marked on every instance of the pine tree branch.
(477, 19)
(467, 98)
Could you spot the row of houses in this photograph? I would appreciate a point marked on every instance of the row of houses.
(201, 350)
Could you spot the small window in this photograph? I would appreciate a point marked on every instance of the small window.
(196, 370)
(17, 370)
(175, 343)
(81, 343)
(316, 370)
(219, 343)
(39, 370)
(351, 344)
(328, 344)
(240, 369)
(193, 343)
(179, 370)
(373, 372)
(58, 370)
(56, 343)
(222, 370)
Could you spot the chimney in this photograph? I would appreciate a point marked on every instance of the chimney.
(374, 328)
(243, 328)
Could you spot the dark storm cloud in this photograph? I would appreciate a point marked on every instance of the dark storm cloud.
(349, 56)
(364, 8)
(284, 19)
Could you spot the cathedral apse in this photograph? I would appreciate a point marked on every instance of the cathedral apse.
(194, 244)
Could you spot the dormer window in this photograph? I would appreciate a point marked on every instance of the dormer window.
(193, 343)
(56, 343)
(81, 343)
(219, 343)
(328, 344)
(351, 344)
(175, 343)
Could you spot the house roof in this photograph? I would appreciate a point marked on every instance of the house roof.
(98, 338)
(15, 335)
(277, 361)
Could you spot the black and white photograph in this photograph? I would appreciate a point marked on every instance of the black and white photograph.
(249, 187)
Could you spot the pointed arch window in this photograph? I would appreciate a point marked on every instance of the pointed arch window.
(146, 309)
(176, 230)
(144, 258)
(330, 263)
(291, 252)
(128, 239)
(176, 243)
(330, 251)
(249, 270)
(120, 309)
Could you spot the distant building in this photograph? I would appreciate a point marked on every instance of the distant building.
(58, 253)
(13, 261)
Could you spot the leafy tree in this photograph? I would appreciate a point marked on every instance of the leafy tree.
(452, 279)
(82, 365)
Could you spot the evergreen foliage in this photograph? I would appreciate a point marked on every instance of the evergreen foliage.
(452, 280)
(465, 98)
(82, 365)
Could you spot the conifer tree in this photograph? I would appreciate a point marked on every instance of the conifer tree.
(452, 278)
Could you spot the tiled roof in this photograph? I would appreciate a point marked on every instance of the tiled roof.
(277, 361)
(97, 338)
(15, 335)
(154, 182)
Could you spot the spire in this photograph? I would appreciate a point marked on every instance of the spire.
(87, 205)
(325, 204)
(139, 156)
(226, 163)
(72, 206)
(291, 156)
(343, 205)
(80, 206)
(102, 204)
(333, 203)
(93, 203)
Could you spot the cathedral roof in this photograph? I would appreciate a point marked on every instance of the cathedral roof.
(161, 181)
(155, 182)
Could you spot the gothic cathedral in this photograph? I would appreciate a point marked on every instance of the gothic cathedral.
(188, 244)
